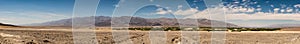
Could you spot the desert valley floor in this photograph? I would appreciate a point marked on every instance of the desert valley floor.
(15, 36)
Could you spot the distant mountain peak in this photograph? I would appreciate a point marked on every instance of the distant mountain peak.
(105, 21)
(1, 24)
(284, 25)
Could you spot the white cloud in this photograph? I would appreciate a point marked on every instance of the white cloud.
(255, 2)
(237, 13)
(244, 0)
(276, 10)
(163, 12)
(297, 5)
(240, 9)
(190, 11)
(272, 5)
(282, 10)
(258, 16)
(289, 10)
(232, 15)
(185, 12)
(236, 2)
(258, 9)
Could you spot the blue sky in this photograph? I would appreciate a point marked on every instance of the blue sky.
(53, 6)
(34, 11)
(241, 12)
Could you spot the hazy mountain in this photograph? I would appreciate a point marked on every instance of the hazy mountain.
(104, 21)
(1, 24)
(283, 25)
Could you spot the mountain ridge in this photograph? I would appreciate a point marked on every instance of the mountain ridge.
(283, 25)
(105, 21)
(1, 24)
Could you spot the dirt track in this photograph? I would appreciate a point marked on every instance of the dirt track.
(138, 37)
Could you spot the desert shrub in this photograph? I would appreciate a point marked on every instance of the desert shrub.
(206, 29)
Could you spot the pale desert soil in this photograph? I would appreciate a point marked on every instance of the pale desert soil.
(8, 36)
(291, 29)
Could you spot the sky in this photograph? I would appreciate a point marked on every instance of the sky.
(34, 11)
(250, 13)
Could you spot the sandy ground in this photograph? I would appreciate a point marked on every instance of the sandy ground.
(291, 29)
(64, 36)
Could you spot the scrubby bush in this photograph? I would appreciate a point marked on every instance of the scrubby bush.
(205, 29)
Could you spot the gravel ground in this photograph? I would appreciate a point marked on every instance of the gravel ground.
(142, 37)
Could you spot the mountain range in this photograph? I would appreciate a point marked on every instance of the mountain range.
(1, 24)
(105, 21)
(283, 25)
